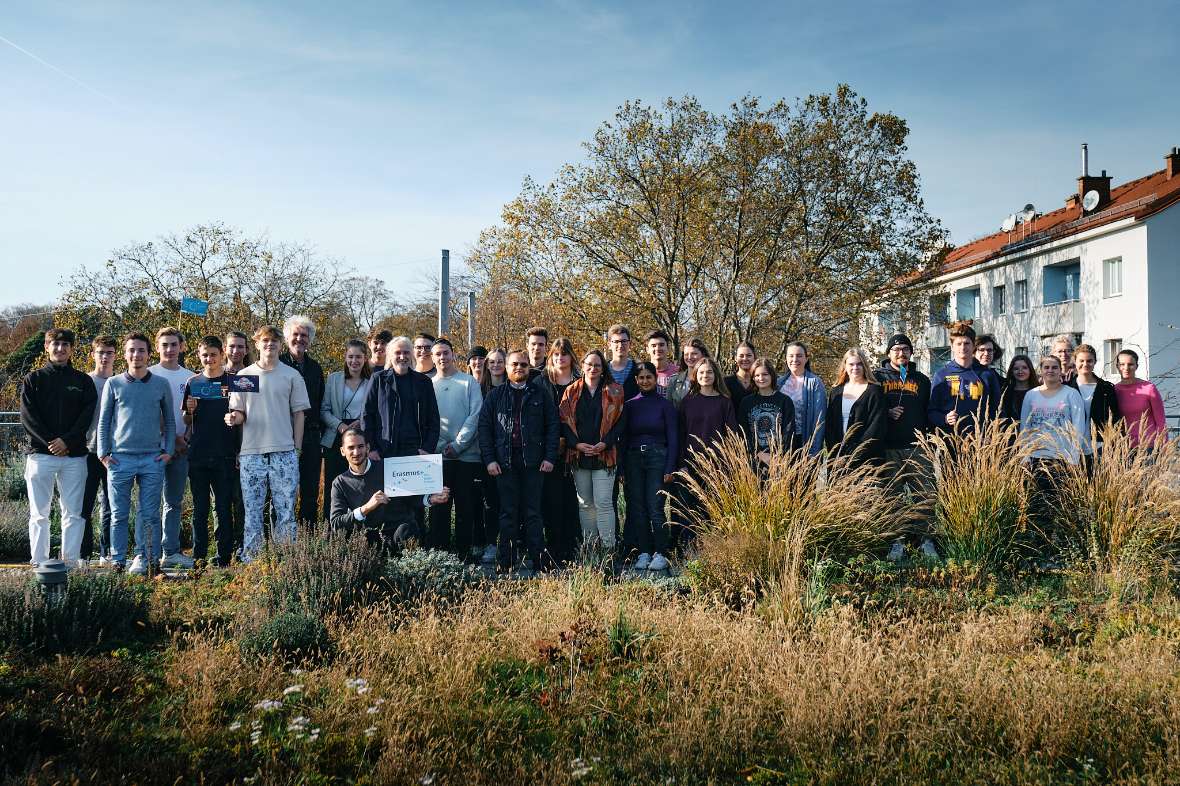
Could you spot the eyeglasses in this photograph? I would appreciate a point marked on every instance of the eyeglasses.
(619, 341)
(422, 348)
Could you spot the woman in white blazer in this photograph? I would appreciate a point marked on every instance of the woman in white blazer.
(343, 407)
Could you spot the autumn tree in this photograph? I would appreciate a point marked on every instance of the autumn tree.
(766, 223)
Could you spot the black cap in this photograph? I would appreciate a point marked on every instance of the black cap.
(900, 338)
(478, 352)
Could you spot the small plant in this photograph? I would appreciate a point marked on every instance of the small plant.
(427, 574)
(980, 499)
(91, 611)
(320, 573)
(292, 635)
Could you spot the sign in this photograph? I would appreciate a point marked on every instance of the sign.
(407, 476)
(243, 383)
(194, 306)
(202, 390)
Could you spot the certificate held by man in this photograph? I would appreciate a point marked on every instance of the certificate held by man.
(413, 475)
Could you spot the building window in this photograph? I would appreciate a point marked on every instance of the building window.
(940, 310)
(1112, 277)
(939, 357)
(1111, 349)
(967, 303)
(1062, 283)
(1021, 293)
(998, 300)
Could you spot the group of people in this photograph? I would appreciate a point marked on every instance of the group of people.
(531, 439)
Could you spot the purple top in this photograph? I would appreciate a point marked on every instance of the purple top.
(704, 419)
(651, 420)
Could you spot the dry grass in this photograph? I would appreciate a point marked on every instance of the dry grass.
(757, 531)
(530, 685)
(1122, 520)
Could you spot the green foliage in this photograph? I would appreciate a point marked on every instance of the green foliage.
(292, 635)
(14, 530)
(92, 610)
(428, 575)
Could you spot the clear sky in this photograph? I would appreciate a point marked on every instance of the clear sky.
(382, 132)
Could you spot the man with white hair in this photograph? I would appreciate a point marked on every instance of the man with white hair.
(401, 412)
(299, 333)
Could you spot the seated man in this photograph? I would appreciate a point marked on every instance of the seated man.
(358, 495)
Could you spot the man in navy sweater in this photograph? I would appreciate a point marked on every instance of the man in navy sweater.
(963, 390)
(56, 407)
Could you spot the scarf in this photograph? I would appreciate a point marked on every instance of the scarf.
(612, 410)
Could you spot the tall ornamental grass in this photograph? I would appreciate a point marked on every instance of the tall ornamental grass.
(979, 500)
(757, 530)
(1122, 518)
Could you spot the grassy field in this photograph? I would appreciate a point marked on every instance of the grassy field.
(1045, 658)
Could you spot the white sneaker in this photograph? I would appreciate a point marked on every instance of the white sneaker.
(658, 562)
(139, 566)
(642, 562)
(105, 562)
(489, 554)
(177, 560)
(897, 552)
(928, 549)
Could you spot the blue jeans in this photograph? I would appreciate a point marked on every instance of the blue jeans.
(175, 475)
(126, 469)
(645, 530)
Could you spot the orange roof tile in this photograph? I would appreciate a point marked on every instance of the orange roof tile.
(1137, 198)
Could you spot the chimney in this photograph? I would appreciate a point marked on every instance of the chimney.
(1088, 182)
(1172, 163)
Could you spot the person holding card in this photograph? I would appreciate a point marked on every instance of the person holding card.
(358, 497)
(213, 448)
(270, 399)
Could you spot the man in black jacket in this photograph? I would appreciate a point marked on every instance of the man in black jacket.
(401, 412)
(358, 496)
(518, 434)
(56, 408)
(907, 398)
(299, 333)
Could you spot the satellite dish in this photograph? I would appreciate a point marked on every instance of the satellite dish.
(1030, 212)
(1009, 223)
(1090, 201)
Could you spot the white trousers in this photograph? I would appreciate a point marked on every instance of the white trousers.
(42, 473)
(596, 509)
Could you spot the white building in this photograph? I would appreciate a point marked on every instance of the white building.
(1104, 268)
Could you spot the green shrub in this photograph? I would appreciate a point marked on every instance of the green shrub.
(92, 610)
(421, 574)
(320, 573)
(292, 635)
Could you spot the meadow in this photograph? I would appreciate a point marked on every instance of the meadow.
(1041, 649)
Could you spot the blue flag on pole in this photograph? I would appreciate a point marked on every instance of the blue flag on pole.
(194, 306)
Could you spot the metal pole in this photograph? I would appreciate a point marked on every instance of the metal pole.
(444, 294)
(470, 320)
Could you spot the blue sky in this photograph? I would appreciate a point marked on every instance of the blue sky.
(382, 132)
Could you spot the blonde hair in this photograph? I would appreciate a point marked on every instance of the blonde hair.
(864, 362)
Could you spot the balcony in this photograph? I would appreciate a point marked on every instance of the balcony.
(1066, 317)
